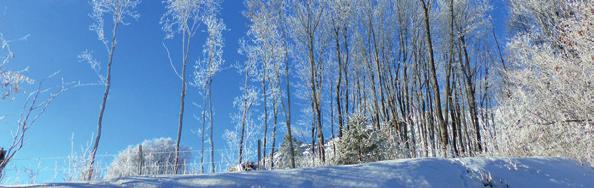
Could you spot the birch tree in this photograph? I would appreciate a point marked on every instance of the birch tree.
(210, 64)
(245, 102)
(119, 11)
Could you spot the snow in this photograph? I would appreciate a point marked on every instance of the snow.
(425, 172)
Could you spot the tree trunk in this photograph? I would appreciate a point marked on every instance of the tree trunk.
(287, 107)
(211, 118)
(440, 120)
(448, 77)
(288, 111)
(103, 104)
(202, 137)
(315, 100)
(339, 82)
(244, 114)
(265, 100)
(470, 94)
(275, 122)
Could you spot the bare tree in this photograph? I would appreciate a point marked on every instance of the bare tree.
(36, 104)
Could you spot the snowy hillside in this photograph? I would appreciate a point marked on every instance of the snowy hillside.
(429, 172)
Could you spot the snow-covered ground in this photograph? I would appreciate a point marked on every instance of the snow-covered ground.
(428, 172)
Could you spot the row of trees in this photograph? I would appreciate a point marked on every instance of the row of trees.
(539, 95)
(422, 67)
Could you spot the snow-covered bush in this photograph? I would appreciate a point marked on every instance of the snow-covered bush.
(546, 107)
(158, 158)
(360, 143)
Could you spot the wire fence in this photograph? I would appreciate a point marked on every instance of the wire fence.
(112, 155)
(72, 167)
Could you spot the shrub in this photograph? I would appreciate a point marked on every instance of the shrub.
(158, 158)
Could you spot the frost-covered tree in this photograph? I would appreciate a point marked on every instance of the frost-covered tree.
(119, 11)
(244, 103)
(184, 17)
(152, 157)
(426, 5)
(181, 17)
(546, 106)
(210, 64)
(37, 100)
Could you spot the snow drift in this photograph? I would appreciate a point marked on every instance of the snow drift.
(427, 172)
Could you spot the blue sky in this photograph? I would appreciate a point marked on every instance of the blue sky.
(144, 102)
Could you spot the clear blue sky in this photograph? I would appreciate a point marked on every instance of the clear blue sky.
(144, 102)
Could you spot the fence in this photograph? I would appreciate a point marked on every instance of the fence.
(70, 168)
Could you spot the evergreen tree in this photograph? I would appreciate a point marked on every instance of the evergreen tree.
(360, 143)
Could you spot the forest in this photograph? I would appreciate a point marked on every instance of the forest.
(364, 80)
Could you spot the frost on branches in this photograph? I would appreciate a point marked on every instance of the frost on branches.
(10, 81)
(547, 104)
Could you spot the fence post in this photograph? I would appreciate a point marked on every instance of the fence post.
(141, 159)
(259, 150)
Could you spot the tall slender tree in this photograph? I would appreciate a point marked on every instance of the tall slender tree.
(181, 17)
(306, 22)
(119, 11)
(435, 85)
(211, 63)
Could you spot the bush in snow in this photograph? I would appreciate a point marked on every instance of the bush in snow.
(158, 158)
(360, 143)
